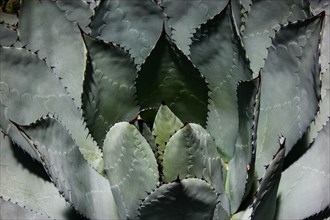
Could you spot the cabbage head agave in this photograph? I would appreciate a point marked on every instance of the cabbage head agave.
(165, 109)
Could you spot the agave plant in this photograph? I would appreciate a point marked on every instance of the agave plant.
(165, 110)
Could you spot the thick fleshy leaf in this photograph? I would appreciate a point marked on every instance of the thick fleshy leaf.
(240, 9)
(19, 185)
(10, 210)
(185, 16)
(8, 35)
(131, 167)
(29, 90)
(317, 7)
(109, 92)
(305, 186)
(165, 125)
(263, 19)
(185, 199)
(58, 40)
(217, 52)
(134, 24)
(241, 167)
(169, 76)
(81, 185)
(191, 152)
(290, 84)
(264, 205)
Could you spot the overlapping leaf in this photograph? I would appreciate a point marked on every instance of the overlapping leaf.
(168, 75)
(186, 16)
(165, 125)
(81, 185)
(240, 175)
(290, 87)
(217, 52)
(264, 205)
(109, 92)
(191, 152)
(58, 40)
(304, 188)
(10, 210)
(29, 89)
(134, 24)
(263, 19)
(185, 199)
(26, 189)
(131, 167)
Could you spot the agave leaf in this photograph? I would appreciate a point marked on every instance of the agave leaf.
(185, 16)
(191, 152)
(317, 7)
(185, 199)
(10, 210)
(109, 92)
(290, 83)
(9, 19)
(263, 19)
(165, 125)
(241, 167)
(217, 52)
(264, 205)
(81, 185)
(146, 132)
(240, 9)
(8, 35)
(29, 89)
(134, 24)
(168, 75)
(306, 180)
(131, 167)
(58, 40)
(24, 188)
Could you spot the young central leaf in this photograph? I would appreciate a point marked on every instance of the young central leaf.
(168, 75)
(131, 167)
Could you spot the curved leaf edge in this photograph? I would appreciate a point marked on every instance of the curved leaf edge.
(85, 35)
(25, 207)
(42, 161)
(125, 48)
(174, 47)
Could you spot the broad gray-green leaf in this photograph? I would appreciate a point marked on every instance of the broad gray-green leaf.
(25, 188)
(131, 167)
(317, 7)
(29, 90)
(82, 186)
(264, 205)
(109, 92)
(217, 52)
(58, 40)
(241, 167)
(168, 75)
(263, 19)
(305, 186)
(8, 35)
(191, 152)
(10, 210)
(185, 16)
(186, 199)
(165, 125)
(134, 24)
(290, 87)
